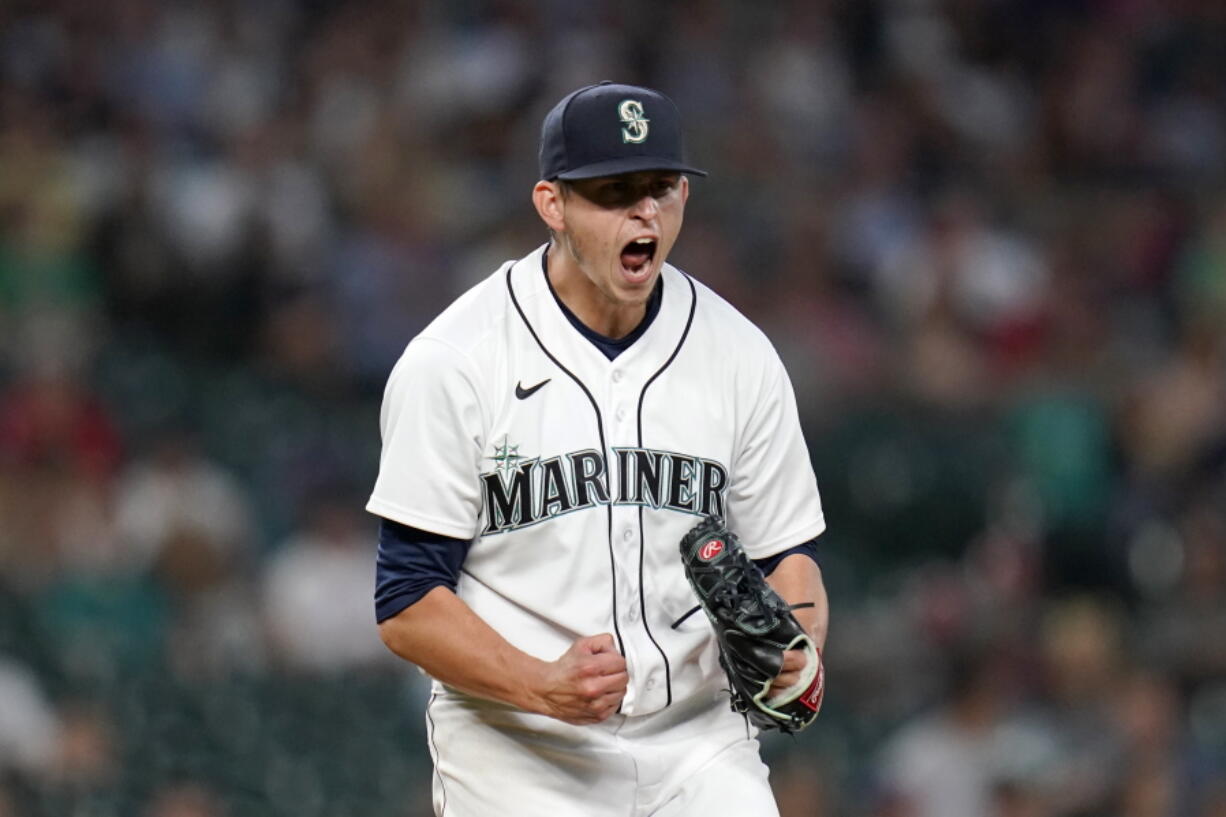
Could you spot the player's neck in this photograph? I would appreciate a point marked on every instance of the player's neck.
(597, 311)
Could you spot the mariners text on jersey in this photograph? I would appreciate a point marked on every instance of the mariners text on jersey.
(520, 492)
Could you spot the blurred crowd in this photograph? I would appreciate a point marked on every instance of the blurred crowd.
(987, 236)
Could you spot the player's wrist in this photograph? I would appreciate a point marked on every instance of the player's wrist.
(530, 684)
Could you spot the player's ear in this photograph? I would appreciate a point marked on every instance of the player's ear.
(547, 197)
(685, 188)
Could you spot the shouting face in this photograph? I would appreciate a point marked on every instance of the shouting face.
(613, 235)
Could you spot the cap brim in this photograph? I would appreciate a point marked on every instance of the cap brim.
(629, 164)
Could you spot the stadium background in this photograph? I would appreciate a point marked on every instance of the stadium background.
(987, 236)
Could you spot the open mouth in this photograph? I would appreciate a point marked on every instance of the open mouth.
(637, 255)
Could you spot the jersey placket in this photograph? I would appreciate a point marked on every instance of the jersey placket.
(647, 690)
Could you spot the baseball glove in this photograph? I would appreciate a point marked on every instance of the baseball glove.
(755, 627)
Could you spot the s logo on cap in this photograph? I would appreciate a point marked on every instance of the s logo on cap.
(631, 113)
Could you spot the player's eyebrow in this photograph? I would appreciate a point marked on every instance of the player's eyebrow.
(651, 177)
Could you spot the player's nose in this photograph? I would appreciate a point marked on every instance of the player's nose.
(647, 207)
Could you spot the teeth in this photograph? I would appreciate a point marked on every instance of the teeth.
(644, 241)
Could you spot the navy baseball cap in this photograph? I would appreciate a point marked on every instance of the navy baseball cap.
(607, 129)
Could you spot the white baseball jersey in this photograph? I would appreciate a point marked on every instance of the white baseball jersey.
(576, 476)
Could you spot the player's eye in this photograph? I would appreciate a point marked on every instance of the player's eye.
(607, 190)
(662, 187)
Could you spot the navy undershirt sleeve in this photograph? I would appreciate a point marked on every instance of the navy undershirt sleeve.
(411, 562)
(769, 564)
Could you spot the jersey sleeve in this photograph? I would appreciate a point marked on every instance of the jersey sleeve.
(773, 501)
(432, 428)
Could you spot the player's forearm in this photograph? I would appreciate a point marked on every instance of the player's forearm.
(798, 579)
(442, 635)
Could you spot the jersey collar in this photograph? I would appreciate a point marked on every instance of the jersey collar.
(609, 347)
(545, 315)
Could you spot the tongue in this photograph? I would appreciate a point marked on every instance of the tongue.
(633, 258)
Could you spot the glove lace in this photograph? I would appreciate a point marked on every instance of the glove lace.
(738, 595)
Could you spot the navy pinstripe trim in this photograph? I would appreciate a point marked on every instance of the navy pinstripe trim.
(668, 676)
(434, 749)
(621, 647)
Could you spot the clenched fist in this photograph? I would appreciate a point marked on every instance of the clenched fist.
(585, 684)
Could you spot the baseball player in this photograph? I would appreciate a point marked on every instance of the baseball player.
(547, 442)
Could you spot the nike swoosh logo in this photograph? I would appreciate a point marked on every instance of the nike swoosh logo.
(524, 394)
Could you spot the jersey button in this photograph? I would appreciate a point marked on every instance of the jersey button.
(627, 534)
(633, 613)
(651, 683)
(617, 375)
(621, 414)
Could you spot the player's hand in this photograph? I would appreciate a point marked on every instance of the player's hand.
(586, 684)
(792, 672)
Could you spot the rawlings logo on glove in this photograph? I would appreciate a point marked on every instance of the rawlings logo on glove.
(754, 627)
